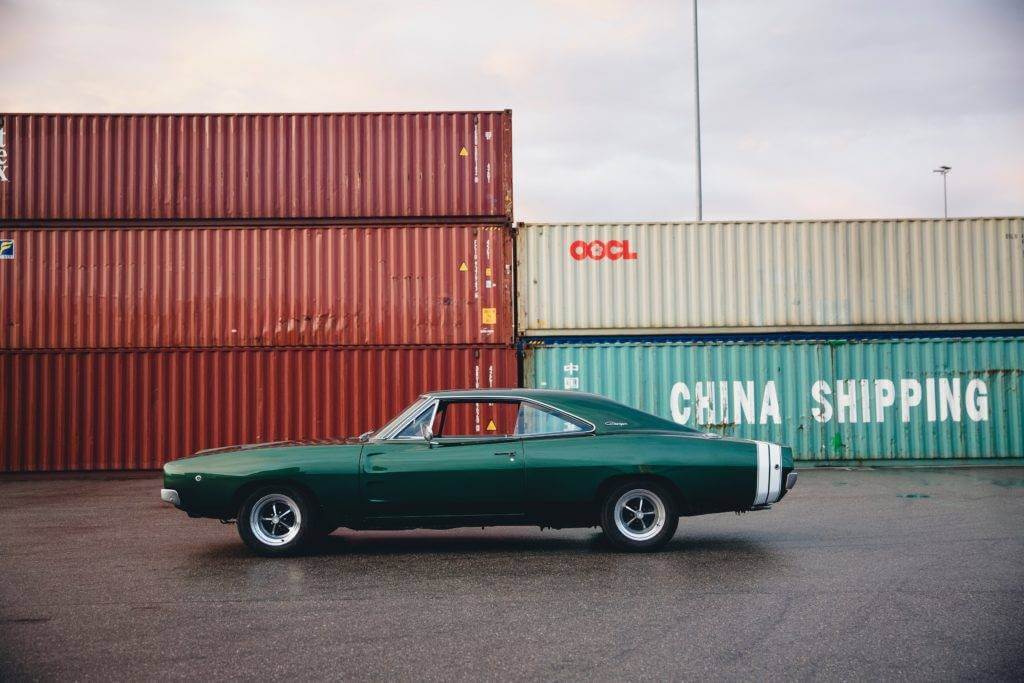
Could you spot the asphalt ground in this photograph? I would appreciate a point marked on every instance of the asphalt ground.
(863, 574)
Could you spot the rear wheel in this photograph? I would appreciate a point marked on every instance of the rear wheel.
(639, 516)
(275, 521)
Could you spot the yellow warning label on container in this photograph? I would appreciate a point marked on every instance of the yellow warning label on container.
(491, 426)
(490, 316)
(463, 267)
(463, 152)
(487, 271)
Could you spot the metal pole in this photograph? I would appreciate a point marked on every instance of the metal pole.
(696, 98)
(945, 204)
(944, 171)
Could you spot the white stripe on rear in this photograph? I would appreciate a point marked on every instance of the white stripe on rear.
(774, 472)
(763, 465)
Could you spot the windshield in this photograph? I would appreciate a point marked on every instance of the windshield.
(401, 418)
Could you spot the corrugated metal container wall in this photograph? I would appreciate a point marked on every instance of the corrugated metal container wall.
(208, 166)
(731, 277)
(81, 288)
(832, 401)
(136, 410)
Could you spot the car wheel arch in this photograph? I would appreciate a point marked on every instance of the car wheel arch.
(245, 490)
(611, 482)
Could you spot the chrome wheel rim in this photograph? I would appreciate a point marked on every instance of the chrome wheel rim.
(275, 519)
(640, 515)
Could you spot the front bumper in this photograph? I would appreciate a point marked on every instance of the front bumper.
(170, 496)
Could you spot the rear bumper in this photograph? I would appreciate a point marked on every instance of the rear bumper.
(170, 496)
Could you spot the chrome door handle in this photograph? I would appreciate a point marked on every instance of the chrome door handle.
(510, 454)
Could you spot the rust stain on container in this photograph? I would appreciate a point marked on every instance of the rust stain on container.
(111, 288)
(66, 411)
(249, 166)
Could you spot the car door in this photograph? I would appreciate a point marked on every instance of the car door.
(565, 465)
(466, 474)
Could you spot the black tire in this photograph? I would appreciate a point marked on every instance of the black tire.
(633, 533)
(272, 509)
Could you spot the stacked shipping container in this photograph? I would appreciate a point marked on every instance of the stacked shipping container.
(873, 341)
(257, 166)
(196, 287)
(184, 282)
(100, 410)
(176, 282)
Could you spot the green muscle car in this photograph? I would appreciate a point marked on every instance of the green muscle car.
(485, 457)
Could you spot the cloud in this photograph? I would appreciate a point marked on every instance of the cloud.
(808, 109)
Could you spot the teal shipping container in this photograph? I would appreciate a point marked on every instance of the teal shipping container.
(835, 401)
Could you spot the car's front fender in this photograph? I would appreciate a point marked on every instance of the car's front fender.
(211, 485)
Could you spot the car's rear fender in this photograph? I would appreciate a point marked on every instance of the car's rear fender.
(681, 503)
(711, 474)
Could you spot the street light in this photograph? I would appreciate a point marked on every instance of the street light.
(944, 170)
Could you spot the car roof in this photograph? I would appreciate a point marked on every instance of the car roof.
(539, 394)
(605, 414)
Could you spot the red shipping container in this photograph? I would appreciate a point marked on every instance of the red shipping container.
(67, 411)
(109, 288)
(266, 166)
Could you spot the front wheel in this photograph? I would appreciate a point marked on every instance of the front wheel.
(275, 521)
(639, 516)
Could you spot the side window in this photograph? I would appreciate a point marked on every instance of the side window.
(417, 429)
(534, 420)
(476, 419)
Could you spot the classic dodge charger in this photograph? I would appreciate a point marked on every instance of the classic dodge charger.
(485, 457)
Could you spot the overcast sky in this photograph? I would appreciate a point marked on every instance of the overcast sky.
(810, 109)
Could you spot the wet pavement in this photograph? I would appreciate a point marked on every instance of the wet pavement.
(906, 574)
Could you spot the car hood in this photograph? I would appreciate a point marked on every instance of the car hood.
(274, 444)
(250, 458)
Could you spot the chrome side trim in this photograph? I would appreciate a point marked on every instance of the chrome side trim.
(496, 398)
(523, 399)
(170, 496)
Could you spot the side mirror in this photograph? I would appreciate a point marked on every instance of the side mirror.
(365, 436)
(427, 433)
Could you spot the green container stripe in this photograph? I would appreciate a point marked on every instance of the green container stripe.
(981, 378)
